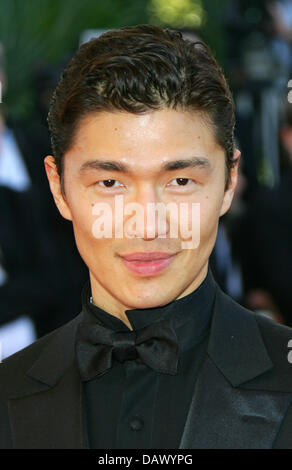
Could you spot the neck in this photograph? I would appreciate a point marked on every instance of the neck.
(102, 299)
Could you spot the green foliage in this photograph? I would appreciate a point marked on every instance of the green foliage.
(48, 30)
(177, 13)
(213, 31)
(203, 16)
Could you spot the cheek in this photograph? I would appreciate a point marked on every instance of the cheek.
(83, 221)
(95, 251)
(91, 225)
(209, 216)
(210, 211)
(207, 209)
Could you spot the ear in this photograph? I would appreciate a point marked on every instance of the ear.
(229, 193)
(55, 186)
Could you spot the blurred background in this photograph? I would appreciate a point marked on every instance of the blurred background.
(41, 272)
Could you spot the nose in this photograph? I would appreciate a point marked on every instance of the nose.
(146, 215)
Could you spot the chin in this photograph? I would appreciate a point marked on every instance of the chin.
(151, 301)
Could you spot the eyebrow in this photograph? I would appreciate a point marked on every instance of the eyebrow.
(111, 165)
(194, 162)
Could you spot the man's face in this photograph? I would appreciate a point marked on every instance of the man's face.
(141, 151)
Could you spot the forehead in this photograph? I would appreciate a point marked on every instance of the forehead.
(145, 140)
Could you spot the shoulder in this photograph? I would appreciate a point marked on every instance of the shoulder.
(26, 355)
(14, 368)
(271, 331)
(276, 337)
(250, 347)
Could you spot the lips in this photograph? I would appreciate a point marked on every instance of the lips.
(147, 263)
(147, 256)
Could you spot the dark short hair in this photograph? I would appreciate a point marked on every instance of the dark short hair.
(138, 69)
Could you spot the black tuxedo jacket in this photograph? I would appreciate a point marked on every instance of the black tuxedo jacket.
(242, 398)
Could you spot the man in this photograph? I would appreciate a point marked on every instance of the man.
(159, 357)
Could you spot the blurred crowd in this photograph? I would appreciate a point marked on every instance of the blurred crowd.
(253, 252)
(41, 272)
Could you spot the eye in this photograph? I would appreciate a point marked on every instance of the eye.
(180, 182)
(109, 183)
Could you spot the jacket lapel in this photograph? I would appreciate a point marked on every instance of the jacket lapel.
(50, 401)
(229, 409)
(232, 405)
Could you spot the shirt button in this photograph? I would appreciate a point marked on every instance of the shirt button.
(136, 424)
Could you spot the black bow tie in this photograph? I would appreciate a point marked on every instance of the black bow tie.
(97, 347)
